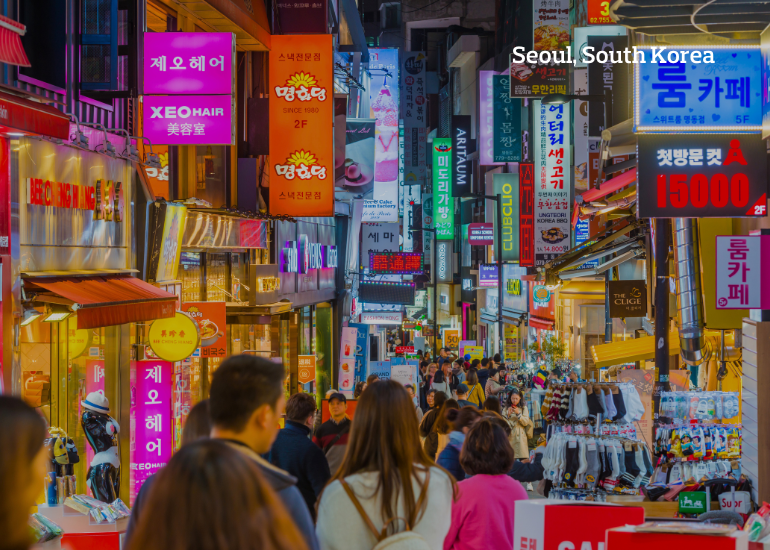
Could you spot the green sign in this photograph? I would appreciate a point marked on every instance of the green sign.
(507, 121)
(507, 187)
(443, 204)
(692, 502)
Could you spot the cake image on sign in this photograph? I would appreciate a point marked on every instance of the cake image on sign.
(301, 86)
(302, 164)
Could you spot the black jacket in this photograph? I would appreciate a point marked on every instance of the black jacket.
(532, 471)
(295, 453)
(483, 375)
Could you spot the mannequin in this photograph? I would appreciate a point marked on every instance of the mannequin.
(101, 431)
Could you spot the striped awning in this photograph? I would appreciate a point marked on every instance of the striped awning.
(11, 50)
(630, 351)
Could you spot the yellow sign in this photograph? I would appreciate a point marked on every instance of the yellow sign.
(511, 333)
(171, 242)
(451, 339)
(476, 352)
(175, 338)
(305, 368)
(79, 339)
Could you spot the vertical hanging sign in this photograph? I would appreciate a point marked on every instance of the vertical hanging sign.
(443, 204)
(526, 215)
(414, 106)
(486, 137)
(506, 187)
(461, 137)
(507, 121)
(301, 137)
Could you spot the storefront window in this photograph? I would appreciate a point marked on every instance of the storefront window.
(216, 277)
(211, 174)
(191, 273)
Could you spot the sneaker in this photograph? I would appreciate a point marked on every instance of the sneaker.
(529, 486)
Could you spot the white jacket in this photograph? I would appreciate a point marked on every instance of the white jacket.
(340, 526)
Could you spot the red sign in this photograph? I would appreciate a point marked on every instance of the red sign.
(398, 263)
(526, 214)
(63, 195)
(598, 12)
(404, 349)
(33, 117)
(212, 320)
(481, 234)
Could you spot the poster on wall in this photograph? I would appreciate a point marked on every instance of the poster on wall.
(306, 365)
(443, 210)
(552, 182)
(507, 114)
(551, 24)
(381, 368)
(356, 174)
(212, 320)
(301, 143)
(383, 107)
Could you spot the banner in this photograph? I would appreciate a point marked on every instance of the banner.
(607, 76)
(381, 368)
(377, 237)
(552, 182)
(551, 24)
(383, 106)
(212, 320)
(526, 214)
(507, 114)
(301, 147)
(306, 365)
(627, 298)
(444, 211)
(348, 358)
(414, 114)
(486, 137)
(356, 175)
(427, 220)
(461, 137)
(507, 188)
(361, 350)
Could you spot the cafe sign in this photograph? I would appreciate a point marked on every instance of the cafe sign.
(627, 298)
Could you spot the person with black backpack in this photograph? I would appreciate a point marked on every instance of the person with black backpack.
(386, 493)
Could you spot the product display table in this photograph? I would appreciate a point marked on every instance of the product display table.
(80, 532)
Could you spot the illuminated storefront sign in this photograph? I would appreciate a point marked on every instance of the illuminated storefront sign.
(444, 261)
(175, 338)
(189, 62)
(486, 137)
(537, 79)
(680, 89)
(303, 256)
(507, 113)
(384, 292)
(481, 234)
(397, 263)
(506, 187)
(189, 119)
(443, 204)
(513, 286)
(105, 198)
(301, 137)
(526, 214)
(268, 284)
(488, 275)
(461, 136)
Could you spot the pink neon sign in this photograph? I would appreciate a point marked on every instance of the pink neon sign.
(188, 119)
(188, 62)
(152, 426)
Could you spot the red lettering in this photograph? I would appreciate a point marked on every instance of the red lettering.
(739, 189)
(91, 200)
(699, 191)
(48, 192)
(662, 191)
(719, 190)
(679, 190)
(67, 195)
(75, 195)
(38, 191)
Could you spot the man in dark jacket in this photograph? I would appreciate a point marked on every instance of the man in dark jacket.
(294, 452)
(483, 373)
(332, 436)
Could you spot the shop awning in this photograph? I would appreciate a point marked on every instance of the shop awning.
(33, 117)
(583, 290)
(540, 323)
(630, 351)
(11, 50)
(107, 301)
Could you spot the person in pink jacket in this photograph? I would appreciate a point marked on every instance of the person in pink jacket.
(483, 513)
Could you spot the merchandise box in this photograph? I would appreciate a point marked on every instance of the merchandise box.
(569, 525)
(625, 538)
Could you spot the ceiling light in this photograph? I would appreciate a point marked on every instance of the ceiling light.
(16, 134)
(29, 314)
(57, 313)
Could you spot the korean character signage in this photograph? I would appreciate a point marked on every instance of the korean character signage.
(704, 176)
(414, 111)
(551, 24)
(309, 17)
(377, 237)
(698, 89)
(189, 63)
(189, 119)
(481, 234)
(741, 262)
(607, 76)
(552, 182)
(538, 79)
(506, 186)
(412, 201)
(507, 121)
(486, 137)
(526, 214)
(152, 428)
(461, 138)
(488, 275)
(598, 12)
(212, 321)
(627, 298)
(301, 137)
(306, 368)
(443, 202)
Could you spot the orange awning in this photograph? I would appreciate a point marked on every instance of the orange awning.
(540, 323)
(11, 50)
(107, 301)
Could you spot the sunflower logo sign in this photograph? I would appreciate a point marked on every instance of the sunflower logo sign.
(302, 86)
(301, 164)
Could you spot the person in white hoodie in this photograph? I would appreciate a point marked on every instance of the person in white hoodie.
(389, 475)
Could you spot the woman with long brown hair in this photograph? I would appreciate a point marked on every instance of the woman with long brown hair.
(390, 476)
(210, 495)
(23, 462)
(443, 427)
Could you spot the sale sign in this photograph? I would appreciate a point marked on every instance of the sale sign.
(306, 368)
(189, 119)
(707, 176)
(451, 338)
(301, 130)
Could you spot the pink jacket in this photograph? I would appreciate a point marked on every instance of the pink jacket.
(483, 514)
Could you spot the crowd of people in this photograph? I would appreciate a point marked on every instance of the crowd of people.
(438, 466)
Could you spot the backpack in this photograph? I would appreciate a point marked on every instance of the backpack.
(405, 540)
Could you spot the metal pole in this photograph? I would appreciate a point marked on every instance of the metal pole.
(499, 254)
(607, 317)
(662, 244)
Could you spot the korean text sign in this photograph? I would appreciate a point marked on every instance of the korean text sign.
(152, 413)
(538, 79)
(189, 63)
(486, 118)
(715, 175)
(301, 115)
(212, 321)
(552, 181)
(414, 109)
(741, 261)
(188, 119)
(698, 97)
(507, 113)
(526, 214)
(443, 203)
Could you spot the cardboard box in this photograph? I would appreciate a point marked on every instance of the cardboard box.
(624, 538)
(569, 525)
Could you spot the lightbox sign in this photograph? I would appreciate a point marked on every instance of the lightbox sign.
(680, 89)
(395, 263)
(443, 204)
(506, 186)
(486, 137)
(537, 79)
(382, 318)
(189, 63)
(189, 119)
(444, 262)
(507, 113)
(301, 256)
(461, 137)
(526, 214)
(488, 275)
(384, 292)
(705, 176)
(513, 287)
(741, 260)
(481, 234)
